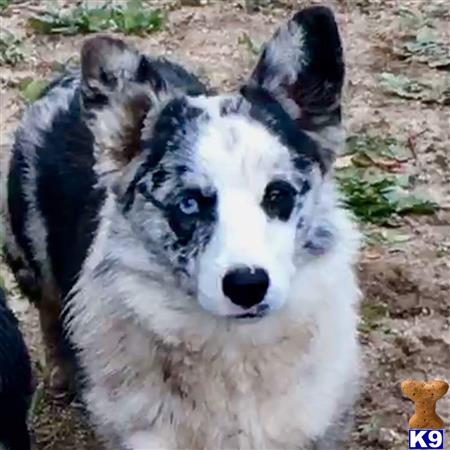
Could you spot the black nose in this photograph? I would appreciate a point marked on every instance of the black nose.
(245, 286)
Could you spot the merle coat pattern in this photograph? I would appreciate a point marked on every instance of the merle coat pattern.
(196, 242)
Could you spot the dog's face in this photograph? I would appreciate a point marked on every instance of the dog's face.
(227, 191)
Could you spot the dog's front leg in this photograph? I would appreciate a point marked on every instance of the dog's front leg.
(148, 440)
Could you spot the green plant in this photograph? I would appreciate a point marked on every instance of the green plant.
(38, 401)
(32, 89)
(403, 86)
(247, 41)
(413, 20)
(4, 4)
(380, 151)
(380, 198)
(372, 315)
(425, 48)
(11, 52)
(407, 88)
(132, 18)
(443, 249)
(373, 186)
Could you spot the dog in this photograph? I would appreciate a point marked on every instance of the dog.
(16, 385)
(194, 245)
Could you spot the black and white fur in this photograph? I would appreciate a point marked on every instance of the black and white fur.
(205, 261)
(16, 385)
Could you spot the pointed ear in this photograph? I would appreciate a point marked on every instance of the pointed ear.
(118, 86)
(302, 67)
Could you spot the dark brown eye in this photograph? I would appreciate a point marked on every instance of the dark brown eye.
(279, 200)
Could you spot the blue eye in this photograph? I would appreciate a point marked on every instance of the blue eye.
(189, 206)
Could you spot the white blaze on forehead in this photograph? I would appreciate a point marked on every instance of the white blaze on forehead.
(236, 152)
(241, 229)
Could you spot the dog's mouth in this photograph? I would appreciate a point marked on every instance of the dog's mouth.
(257, 312)
(248, 316)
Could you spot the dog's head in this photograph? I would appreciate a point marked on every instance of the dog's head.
(229, 192)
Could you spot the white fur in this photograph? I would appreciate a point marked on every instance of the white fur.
(159, 365)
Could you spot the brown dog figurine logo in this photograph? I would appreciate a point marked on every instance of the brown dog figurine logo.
(425, 395)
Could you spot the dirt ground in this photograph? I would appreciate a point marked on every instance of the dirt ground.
(405, 325)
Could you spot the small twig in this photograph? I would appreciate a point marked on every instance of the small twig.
(412, 142)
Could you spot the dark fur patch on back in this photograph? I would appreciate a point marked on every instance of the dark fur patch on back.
(66, 195)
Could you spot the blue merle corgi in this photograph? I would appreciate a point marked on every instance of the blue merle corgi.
(194, 245)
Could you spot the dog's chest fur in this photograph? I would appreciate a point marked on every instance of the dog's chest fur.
(251, 401)
(266, 398)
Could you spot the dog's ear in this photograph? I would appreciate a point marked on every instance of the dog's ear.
(118, 86)
(302, 67)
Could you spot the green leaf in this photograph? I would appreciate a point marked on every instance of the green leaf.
(370, 150)
(11, 51)
(246, 40)
(402, 86)
(4, 4)
(412, 20)
(410, 203)
(373, 194)
(416, 89)
(133, 18)
(32, 90)
(425, 48)
(372, 315)
(130, 23)
(425, 36)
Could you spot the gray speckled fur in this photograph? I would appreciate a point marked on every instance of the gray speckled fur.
(167, 363)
